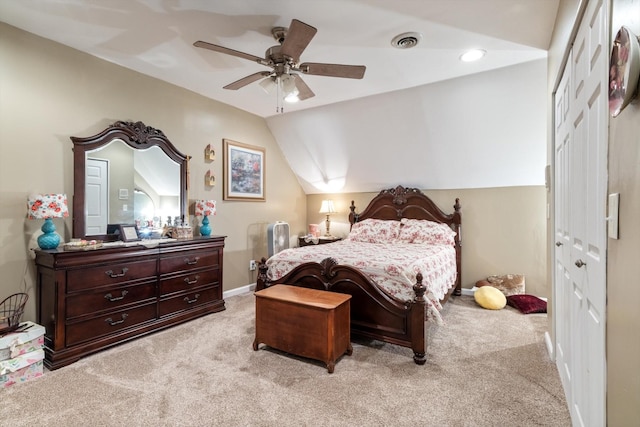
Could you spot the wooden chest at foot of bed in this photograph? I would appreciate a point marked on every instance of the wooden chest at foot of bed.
(305, 322)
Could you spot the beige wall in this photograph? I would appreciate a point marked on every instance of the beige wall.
(49, 92)
(623, 266)
(503, 229)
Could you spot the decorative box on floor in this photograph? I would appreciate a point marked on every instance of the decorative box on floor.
(29, 337)
(22, 368)
(21, 354)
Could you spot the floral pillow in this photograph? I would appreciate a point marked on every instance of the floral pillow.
(374, 231)
(424, 231)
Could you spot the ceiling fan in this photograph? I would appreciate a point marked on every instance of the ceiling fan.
(284, 59)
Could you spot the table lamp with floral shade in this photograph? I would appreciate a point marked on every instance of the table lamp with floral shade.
(48, 206)
(205, 208)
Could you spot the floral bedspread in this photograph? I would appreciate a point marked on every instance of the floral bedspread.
(392, 266)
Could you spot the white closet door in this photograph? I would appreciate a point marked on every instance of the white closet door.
(96, 196)
(563, 128)
(581, 184)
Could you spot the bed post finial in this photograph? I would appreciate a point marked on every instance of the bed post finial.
(419, 288)
(457, 206)
(353, 216)
(261, 280)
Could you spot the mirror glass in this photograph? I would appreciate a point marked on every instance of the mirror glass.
(127, 186)
(129, 173)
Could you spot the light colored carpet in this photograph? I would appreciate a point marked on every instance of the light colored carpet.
(484, 368)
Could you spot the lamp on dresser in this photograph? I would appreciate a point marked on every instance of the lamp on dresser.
(205, 208)
(47, 207)
(327, 208)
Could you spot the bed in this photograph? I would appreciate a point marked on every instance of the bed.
(376, 311)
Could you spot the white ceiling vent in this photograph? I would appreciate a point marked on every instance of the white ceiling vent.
(406, 40)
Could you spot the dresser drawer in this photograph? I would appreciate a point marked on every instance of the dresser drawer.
(190, 300)
(111, 274)
(185, 282)
(188, 261)
(110, 299)
(109, 323)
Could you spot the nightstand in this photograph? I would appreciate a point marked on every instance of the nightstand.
(305, 241)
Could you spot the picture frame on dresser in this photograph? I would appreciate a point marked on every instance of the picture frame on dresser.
(128, 233)
(244, 171)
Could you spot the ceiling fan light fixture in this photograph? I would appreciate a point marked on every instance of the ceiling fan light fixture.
(472, 55)
(406, 40)
(292, 98)
(268, 85)
(288, 84)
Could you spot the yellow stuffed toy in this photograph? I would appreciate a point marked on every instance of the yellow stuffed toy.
(490, 298)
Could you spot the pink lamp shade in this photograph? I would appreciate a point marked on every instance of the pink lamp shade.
(205, 208)
(48, 206)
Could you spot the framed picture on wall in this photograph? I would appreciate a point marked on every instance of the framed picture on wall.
(244, 171)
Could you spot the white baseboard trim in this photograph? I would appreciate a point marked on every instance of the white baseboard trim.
(549, 344)
(237, 291)
(470, 292)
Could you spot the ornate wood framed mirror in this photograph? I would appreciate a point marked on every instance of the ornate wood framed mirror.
(123, 160)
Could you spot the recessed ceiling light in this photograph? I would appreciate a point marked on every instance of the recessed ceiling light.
(473, 55)
(406, 40)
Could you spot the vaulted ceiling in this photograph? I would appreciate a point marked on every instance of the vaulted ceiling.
(155, 37)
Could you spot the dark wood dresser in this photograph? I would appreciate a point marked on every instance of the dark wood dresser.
(95, 299)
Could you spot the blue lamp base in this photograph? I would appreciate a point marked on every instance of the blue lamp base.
(50, 239)
(205, 228)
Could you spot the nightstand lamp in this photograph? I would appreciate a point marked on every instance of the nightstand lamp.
(48, 206)
(205, 208)
(328, 209)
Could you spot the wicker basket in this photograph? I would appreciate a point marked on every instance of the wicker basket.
(11, 310)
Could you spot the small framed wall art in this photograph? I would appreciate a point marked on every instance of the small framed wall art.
(244, 172)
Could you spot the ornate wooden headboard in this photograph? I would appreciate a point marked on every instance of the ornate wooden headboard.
(400, 202)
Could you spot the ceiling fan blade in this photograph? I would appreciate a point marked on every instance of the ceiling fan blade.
(333, 70)
(228, 51)
(247, 80)
(298, 37)
(304, 91)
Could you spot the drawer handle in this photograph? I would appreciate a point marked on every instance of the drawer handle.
(110, 321)
(194, 261)
(113, 275)
(112, 298)
(191, 301)
(191, 282)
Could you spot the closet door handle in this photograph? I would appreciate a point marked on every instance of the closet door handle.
(579, 263)
(558, 244)
(112, 298)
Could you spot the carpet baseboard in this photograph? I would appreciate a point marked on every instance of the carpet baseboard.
(549, 344)
(237, 291)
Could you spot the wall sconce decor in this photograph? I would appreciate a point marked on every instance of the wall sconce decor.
(48, 206)
(209, 179)
(205, 208)
(328, 209)
(209, 153)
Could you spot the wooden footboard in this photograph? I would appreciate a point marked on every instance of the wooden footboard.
(373, 313)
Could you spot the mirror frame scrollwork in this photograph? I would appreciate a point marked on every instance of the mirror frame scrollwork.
(136, 135)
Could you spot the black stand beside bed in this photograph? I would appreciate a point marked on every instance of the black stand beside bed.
(375, 314)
